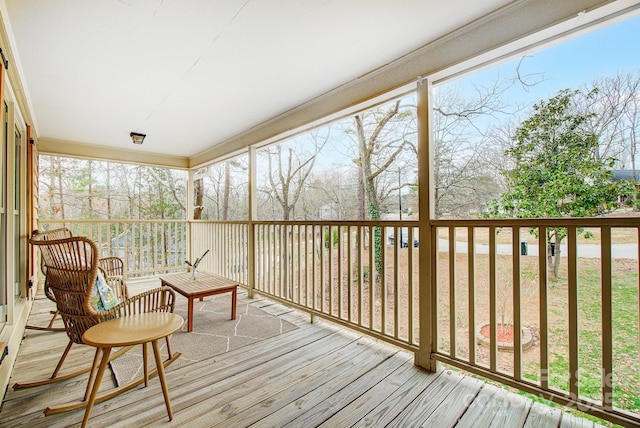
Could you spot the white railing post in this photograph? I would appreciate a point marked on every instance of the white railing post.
(252, 214)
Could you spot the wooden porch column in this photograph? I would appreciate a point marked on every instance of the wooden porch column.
(427, 211)
(253, 211)
(189, 213)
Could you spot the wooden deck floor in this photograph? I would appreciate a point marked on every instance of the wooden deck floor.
(316, 375)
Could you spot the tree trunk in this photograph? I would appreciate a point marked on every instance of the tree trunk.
(361, 199)
(556, 261)
(226, 190)
(59, 177)
(553, 256)
(108, 184)
(90, 190)
(198, 199)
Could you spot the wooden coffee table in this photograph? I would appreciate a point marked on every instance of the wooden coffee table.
(205, 284)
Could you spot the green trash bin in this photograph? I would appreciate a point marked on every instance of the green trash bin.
(524, 249)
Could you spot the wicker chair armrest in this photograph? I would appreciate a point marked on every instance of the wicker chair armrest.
(119, 287)
(113, 266)
(157, 300)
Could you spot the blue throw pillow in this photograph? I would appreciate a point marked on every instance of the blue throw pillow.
(102, 296)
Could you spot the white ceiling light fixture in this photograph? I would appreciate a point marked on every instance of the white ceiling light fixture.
(137, 137)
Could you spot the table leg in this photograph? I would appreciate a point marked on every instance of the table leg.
(234, 295)
(190, 315)
(145, 368)
(96, 384)
(92, 374)
(163, 380)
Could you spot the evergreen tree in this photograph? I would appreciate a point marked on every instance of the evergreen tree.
(556, 171)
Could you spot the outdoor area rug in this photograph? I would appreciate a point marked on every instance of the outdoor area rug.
(213, 333)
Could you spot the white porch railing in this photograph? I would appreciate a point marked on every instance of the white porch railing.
(325, 268)
(583, 325)
(228, 245)
(580, 345)
(348, 272)
(147, 247)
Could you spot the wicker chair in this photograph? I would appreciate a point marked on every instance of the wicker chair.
(71, 266)
(60, 233)
(112, 266)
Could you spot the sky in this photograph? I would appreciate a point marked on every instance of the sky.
(572, 63)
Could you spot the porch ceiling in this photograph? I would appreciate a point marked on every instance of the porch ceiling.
(194, 75)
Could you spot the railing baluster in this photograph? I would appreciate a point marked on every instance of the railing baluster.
(517, 320)
(283, 287)
(359, 243)
(312, 255)
(493, 342)
(396, 281)
(410, 284)
(263, 284)
(607, 321)
(349, 274)
(299, 262)
(269, 262)
(277, 260)
(153, 235)
(338, 280)
(452, 292)
(371, 280)
(309, 270)
(383, 279)
(471, 269)
(572, 278)
(289, 263)
(329, 271)
(543, 291)
(434, 309)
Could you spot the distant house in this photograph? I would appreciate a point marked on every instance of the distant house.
(626, 174)
(328, 212)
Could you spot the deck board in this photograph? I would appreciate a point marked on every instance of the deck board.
(316, 375)
(350, 413)
(316, 408)
(453, 407)
(541, 416)
(428, 401)
(397, 401)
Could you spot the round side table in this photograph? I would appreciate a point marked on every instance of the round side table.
(137, 329)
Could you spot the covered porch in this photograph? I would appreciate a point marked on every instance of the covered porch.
(386, 333)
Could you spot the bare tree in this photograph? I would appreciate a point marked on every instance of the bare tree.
(466, 173)
(383, 136)
(288, 168)
(224, 190)
(610, 99)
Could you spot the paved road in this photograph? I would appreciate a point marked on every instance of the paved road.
(618, 251)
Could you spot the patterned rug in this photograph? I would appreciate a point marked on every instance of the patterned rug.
(213, 333)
